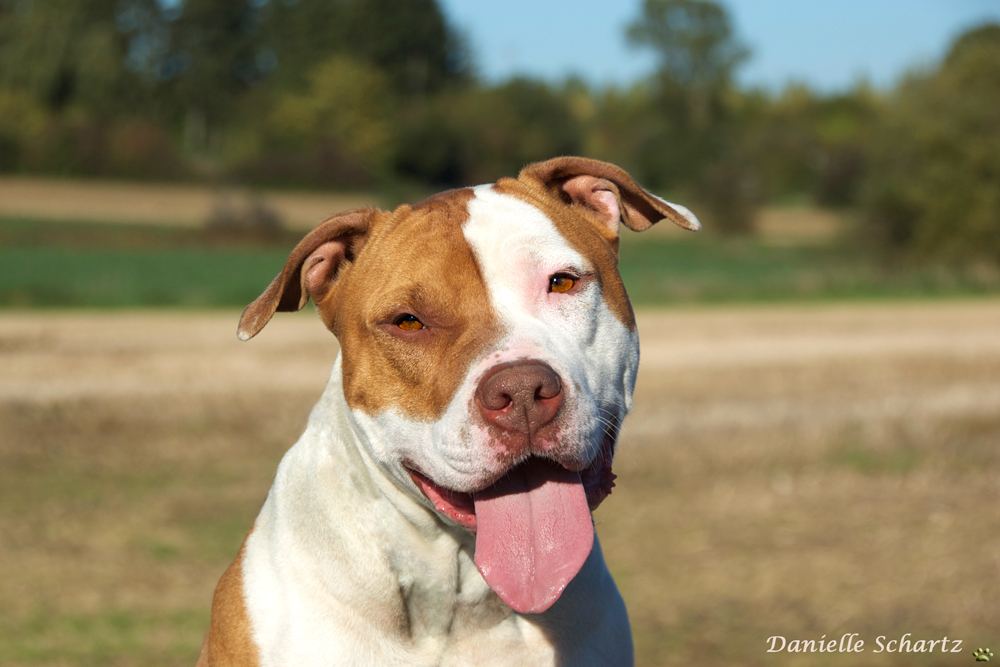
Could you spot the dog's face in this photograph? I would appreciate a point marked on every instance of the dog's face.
(489, 353)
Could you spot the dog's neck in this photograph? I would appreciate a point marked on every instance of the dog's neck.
(438, 590)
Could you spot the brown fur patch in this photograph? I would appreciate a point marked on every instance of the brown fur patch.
(416, 261)
(229, 642)
(584, 230)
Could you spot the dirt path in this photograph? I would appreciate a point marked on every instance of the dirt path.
(821, 365)
(54, 356)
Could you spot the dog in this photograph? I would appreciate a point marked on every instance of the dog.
(436, 510)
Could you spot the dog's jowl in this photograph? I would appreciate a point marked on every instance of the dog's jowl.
(436, 511)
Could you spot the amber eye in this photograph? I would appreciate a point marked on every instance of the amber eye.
(561, 282)
(409, 323)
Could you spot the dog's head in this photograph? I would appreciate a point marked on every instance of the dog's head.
(489, 353)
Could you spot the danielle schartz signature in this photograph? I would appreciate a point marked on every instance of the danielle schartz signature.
(852, 643)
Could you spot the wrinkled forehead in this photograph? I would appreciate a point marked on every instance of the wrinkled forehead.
(497, 243)
(502, 232)
(419, 252)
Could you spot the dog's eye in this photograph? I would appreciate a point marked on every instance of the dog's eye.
(408, 322)
(561, 282)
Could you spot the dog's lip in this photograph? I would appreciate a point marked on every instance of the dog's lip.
(460, 507)
(457, 506)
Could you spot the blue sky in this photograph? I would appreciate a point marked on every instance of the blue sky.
(827, 44)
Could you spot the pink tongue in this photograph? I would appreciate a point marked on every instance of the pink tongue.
(533, 534)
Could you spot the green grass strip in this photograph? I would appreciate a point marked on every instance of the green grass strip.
(79, 265)
(58, 276)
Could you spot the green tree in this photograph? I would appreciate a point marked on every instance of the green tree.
(518, 122)
(68, 102)
(697, 142)
(695, 43)
(801, 143)
(478, 135)
(212, 55)
(933, 192)
(346, 109)
(65, 53)
(622, 128)
(410, 41)
(216, 65)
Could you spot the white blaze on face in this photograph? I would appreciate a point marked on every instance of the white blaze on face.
(536, 532)
(518, 249)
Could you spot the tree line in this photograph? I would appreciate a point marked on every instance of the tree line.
(383, 94)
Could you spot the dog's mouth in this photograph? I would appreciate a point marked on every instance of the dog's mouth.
(457, 506)
(597, 479)
(533, 526)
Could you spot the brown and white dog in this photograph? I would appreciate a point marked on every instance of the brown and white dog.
(436, 511)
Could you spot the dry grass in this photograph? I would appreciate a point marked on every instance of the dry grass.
(797, 224)
(781, 225)
(785, 472)
(159, 204)
(192, 205)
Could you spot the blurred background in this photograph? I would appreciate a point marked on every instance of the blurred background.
(815, 447)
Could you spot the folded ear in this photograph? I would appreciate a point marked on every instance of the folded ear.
(311, 269)
(609, 190)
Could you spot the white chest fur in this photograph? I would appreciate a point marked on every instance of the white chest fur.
(344, 568)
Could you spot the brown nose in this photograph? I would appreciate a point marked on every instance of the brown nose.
(521, 396)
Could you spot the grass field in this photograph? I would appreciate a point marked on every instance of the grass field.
(88, 264)
(58, 248)
(805, 457)
(797, 471)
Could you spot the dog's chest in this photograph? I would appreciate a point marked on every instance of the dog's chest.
(322, 591)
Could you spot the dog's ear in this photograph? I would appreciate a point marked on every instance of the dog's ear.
(311, 268)
(609, 191)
